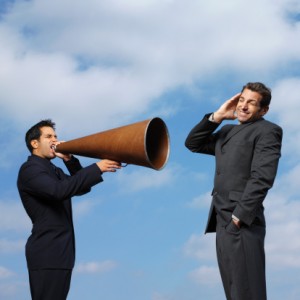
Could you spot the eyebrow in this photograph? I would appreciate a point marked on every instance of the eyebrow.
(248, 100)
(49, 135)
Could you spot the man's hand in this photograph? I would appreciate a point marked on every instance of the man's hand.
(65, 157)
(227, 109)
(237, 223)
(107, 165)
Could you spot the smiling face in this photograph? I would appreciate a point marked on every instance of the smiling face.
(248, 108)
(44, 146)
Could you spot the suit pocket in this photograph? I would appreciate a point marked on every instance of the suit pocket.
(232, 228)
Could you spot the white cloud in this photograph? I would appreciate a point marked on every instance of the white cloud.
(159, 296)
(82, 208)
(180, 25)
(201, 247)
(141, 179)
(5, 273)
(14, 289)
(130, 60)
(96, 267)
(208, 276)
(282, 213)
(201, 201)
(286, 105)
(9, 213)
(8, 246)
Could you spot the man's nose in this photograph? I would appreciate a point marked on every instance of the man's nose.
(245, 106)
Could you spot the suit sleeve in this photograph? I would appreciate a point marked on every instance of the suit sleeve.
(37, 181)
(264, 166)
(73, 165)
(201, 138)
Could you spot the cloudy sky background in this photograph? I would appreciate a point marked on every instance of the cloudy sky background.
(95, 65)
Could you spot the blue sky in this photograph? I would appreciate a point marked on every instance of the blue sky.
(95, 65)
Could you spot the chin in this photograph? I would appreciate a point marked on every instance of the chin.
(243, 117)
(242, 120)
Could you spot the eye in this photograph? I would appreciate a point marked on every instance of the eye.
(253, 103)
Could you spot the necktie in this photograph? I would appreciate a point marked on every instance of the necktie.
(56, 171)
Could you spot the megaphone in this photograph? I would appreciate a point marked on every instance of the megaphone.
(145, 143)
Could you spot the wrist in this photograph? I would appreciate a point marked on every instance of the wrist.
(212, 118)
(236, 221)
(217, 118)
(67, 157)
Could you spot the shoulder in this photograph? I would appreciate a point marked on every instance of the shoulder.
(33, 160)
(269, 123)
(267, 132)
(33, 164)
(268, 126)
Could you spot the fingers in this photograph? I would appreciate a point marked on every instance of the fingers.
(234, 101)
(227, 109)
(235, 98)
(107, 165)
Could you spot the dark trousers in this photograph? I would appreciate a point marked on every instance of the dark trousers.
(49, 284)
(241, 259)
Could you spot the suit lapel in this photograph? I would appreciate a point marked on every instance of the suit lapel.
(235, 129)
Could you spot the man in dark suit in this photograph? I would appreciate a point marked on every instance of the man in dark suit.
(247, 158)
(46, 192)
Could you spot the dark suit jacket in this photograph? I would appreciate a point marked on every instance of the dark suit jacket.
(46, 195)
(247, 158)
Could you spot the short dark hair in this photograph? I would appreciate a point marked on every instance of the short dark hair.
(34, 132)
(262, 90)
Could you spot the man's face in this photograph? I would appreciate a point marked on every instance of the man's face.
(44, 146)
(248, 108)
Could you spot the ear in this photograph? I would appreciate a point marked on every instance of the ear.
(34, 144)
(264, 110)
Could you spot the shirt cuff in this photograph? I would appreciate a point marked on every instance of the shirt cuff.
(235, 218)
(211, 118)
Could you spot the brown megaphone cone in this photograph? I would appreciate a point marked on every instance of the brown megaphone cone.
(143, 143)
